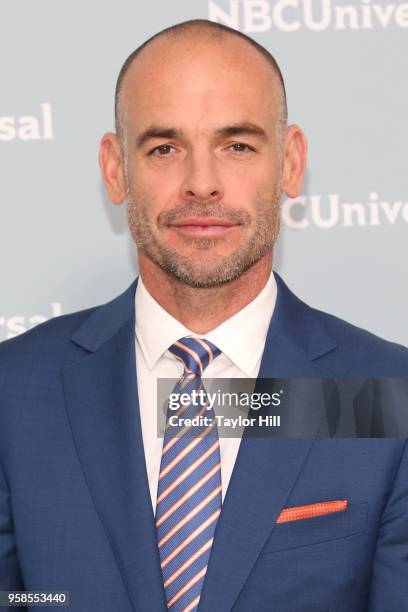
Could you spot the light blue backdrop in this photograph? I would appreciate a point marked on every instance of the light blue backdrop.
(343, 248)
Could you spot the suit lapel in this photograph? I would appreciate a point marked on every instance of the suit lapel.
(102, 403)
(263, 476)
(266, 468)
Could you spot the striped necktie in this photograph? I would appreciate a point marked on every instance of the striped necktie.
(189, 487)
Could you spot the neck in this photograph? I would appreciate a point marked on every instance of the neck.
(201, 310)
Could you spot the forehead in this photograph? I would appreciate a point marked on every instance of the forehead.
(199, 83)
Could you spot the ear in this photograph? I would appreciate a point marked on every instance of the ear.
(294, 164)
(111, 164)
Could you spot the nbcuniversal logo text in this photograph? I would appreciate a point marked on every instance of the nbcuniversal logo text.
(315, 15)
(28, 127)
(329, 211)
(15, 325)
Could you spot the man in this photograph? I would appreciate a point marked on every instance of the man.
(202, 154)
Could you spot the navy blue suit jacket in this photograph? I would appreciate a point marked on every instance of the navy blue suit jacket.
(75, 508)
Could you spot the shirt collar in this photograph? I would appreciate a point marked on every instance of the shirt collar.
(156, 329)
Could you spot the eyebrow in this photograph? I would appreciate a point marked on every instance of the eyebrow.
(156, 132)
(242, 128)
(236, 129)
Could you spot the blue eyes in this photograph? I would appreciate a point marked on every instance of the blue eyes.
(164, 150)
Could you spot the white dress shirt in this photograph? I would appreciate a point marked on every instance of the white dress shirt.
(241, 340)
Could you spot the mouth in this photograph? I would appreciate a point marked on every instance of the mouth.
(203, 227)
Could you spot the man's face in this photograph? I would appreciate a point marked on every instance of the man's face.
(203, 159)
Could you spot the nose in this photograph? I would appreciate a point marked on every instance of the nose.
(201, 182)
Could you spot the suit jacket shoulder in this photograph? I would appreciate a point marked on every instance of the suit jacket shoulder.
(56, 341)
(334, 346)
(360, 344)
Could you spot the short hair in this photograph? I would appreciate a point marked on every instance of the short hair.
(212, 29)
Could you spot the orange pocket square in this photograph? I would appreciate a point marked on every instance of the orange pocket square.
(310, 510)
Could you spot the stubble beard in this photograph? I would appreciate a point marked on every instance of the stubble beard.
(209, 269)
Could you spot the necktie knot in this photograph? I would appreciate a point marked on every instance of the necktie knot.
(195, 353)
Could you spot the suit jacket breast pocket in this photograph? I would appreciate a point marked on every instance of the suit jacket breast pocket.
(308, 531)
